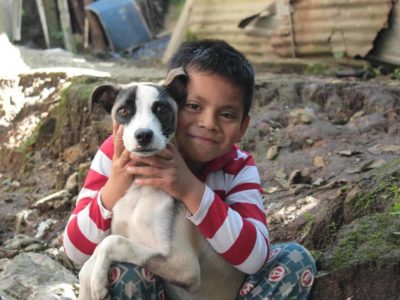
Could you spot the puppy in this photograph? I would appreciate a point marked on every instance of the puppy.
(149, 228)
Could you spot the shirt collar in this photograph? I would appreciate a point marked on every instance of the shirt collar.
(218, 163)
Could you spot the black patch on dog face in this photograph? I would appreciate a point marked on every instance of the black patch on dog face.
(125, 107)
(165, 114)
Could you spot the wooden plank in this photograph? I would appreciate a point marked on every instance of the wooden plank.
(78, 14)
(16, 19)
(95, 30)
(43, 21)
(65, 20)
(53, 23)
(179, 31)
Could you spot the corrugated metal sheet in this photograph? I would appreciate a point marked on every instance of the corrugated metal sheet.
(330, 26)
(313, 28)
(387, 47)
(219, 19)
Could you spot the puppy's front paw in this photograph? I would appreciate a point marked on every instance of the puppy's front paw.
(99, 283)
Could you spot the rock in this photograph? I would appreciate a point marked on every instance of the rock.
(74, 154)
(380, 148)
(309, 142)
(36, 247)
(318, 182)
(8, 253)
(36, 276)
(6, 182)
(301, 116)
(280, 177)
(82, 171)
(264, 129)
(348, 152)
(319, 161)
(72, 185)
(20, 241)
(357, 115)
(21, 218)
(43, 227)
(369, 122)
(15, 184)
(273, 152)
(54, 200)
(64, 170)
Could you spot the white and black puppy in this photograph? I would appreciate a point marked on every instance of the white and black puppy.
(149, 228)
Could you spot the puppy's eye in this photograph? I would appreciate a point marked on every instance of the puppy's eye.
(123, 111)
(162, 109)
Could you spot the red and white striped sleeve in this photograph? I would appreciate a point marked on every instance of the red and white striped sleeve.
(90, 222)
(232, 216)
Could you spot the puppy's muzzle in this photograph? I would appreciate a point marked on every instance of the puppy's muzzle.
(143, 136)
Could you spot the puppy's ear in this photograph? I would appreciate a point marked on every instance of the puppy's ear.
(106, 95)
(176, 83)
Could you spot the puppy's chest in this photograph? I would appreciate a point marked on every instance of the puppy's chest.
(142, 209)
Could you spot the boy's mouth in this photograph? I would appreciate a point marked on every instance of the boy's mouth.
(202, 139)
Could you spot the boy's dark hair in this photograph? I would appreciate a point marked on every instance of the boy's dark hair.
(219, 58)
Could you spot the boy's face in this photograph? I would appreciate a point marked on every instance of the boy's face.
(211, 120)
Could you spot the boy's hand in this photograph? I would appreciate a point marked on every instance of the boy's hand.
(169, 171)
(119, 180)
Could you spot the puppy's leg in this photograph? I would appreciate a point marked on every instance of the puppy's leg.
(180, 268)
(84, 279)
(116, 248)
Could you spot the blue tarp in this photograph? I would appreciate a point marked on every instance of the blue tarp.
(123, 23)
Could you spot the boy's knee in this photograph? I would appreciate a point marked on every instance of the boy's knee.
(293, 255)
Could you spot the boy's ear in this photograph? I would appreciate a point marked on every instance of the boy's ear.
(243, 128)
(176, 83)
(106, 95)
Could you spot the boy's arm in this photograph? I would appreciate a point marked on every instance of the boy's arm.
(90, 222)
(236, 226)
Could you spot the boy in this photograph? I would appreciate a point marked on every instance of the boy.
(216, 181)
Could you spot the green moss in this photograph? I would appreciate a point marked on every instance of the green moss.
(316, 254)
(367, 241)
(72, 112)
(381, 194)
(310, 223)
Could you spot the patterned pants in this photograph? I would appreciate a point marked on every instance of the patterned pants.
(288, 274)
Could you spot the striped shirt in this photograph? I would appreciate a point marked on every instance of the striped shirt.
(231, 214)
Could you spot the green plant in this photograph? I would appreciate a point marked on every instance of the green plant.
(190, 36)
(339, 54)
(316, 69)
(333, 228)
(396, 74)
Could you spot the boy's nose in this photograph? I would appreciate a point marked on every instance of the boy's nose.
(208, 122)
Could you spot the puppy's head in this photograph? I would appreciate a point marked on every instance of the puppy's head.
(147, 111)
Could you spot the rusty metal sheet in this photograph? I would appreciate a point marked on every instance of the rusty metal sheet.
(297, 28)
(326, 27)
(219, 19)
(387, 46)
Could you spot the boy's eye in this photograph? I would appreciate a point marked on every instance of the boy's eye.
(193, 106)
(228, 115)
(123, 111)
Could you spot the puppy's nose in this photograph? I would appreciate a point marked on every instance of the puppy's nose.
(143, 136)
